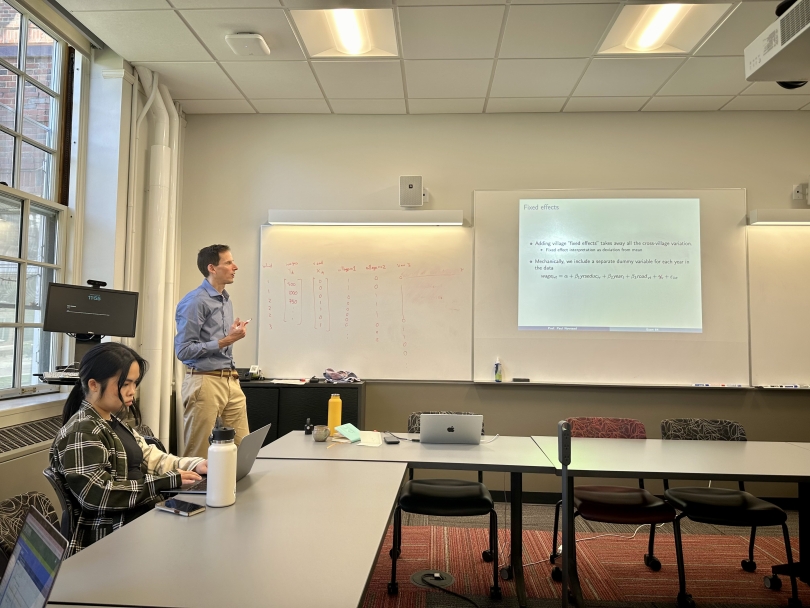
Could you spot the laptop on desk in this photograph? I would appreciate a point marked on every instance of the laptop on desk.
(246, 455)
(451, 428)
(33, 565)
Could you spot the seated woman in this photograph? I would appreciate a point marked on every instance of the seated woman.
(108, 471)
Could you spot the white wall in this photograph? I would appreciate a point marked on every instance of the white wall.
(238, 166)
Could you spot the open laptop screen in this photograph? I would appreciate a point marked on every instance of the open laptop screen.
(33, 564)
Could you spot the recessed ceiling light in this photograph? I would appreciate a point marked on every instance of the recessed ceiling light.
(661, 28)
(347, 33)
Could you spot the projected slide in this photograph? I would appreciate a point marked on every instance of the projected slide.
(610, 265)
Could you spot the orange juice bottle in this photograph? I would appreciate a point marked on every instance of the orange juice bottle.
(335, 412)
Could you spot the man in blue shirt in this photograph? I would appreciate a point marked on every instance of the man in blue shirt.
(206, 331)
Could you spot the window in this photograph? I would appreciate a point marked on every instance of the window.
(30, 77)
(30, 258)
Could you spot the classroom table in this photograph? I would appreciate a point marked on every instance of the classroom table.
(513, 455)
(299, 534)
(693, 460)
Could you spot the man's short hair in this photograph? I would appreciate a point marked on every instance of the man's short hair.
(209, 255)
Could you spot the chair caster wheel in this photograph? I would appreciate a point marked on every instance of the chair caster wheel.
(749, 565)
(774, 583)
(552, 558)
(393, 588)
(794, 602)
(487, 555)
(495, 594)
(556, 574)
(652, 562)
(685, 601)
(391, 553)
(506, 573)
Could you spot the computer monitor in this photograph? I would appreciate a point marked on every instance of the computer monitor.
(75, 309)
(33, 564)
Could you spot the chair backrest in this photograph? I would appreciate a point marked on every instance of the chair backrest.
(702, 429)
(607, 428)
(13, 512)
(65, 501)
(414, 420)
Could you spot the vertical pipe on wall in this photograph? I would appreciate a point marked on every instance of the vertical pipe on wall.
(179, 368)
(154, 271)
(169, 297)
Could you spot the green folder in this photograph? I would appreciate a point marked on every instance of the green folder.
(349, 431)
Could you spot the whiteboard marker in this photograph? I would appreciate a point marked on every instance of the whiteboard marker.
(701, 384)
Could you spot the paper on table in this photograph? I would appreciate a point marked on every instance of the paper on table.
(372, 439)
(282, 381)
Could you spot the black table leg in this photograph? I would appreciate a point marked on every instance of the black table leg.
(800, 569)
(517, 537)
(570, 582)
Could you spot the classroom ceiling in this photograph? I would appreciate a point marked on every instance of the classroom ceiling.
(455, 56)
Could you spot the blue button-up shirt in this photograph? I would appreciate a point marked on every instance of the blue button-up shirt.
(204, 316)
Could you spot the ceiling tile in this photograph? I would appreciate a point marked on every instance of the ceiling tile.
(536, 77)
(368, 106)
(448, 79)
(768, 102)
(112, 5)
(274, 79)
(216, 106)
(701, 103)
(747, 22)
(435, 33)
(604, 104)
(446, 2)
(563, 1)
(360, 79)
(626, 76)
(291, 106)
(145, 35)
(194, 80)
(708, 76)
(181, 4)
(446, 106)
(213, 26)
(555, 30)
(525, 104)
(332, 4)
(771, 88)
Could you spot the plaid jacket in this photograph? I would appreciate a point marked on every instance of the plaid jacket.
(91, 463)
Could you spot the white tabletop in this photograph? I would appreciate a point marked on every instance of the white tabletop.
(656, 458)
(509, 454)
(804, 446)
(302, 533)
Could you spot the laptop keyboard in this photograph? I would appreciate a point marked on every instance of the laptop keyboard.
(200, 486)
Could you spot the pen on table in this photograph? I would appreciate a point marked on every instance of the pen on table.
(331, 445)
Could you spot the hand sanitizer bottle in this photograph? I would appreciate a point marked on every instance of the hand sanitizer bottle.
(498, 370)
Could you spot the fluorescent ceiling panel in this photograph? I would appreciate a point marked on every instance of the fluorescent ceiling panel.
(371, 30)
(661, 28)
(779, 217)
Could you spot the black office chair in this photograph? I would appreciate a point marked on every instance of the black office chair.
(445, 498)
(149, 437)
(65, 501)
(720, 506)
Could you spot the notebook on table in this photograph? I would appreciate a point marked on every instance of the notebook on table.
(246, 455)
(33, 565)
(451, 428)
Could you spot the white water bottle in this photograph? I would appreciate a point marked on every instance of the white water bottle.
(221, 490)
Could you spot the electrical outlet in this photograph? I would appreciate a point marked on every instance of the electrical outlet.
(798, 192)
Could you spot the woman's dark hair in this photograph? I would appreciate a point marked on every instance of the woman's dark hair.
(209, 255)
(102, 363)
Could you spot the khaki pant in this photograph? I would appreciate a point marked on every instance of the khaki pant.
(205, 398)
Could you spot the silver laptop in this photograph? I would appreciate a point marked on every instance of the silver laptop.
(245, 457)
(451, 428)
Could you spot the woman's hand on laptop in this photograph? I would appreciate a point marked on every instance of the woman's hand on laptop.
(202, 468)
(188, 477)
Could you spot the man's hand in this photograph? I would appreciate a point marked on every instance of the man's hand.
(237, 332)
(202, 468)
(188, 477)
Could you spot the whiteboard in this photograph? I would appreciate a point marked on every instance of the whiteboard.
(779, 262)
(717, 355)
(383, 302)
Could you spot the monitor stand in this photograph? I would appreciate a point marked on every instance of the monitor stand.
(84, 342)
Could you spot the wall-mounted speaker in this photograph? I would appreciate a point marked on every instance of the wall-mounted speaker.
(410, 191)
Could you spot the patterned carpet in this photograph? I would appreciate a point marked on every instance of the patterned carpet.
(611, 569)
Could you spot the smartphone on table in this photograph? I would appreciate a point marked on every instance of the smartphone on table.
(180, 507)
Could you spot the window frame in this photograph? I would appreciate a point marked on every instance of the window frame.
(58, 62)
(57, 342)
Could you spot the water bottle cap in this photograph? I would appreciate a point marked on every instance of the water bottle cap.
(223, 434)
